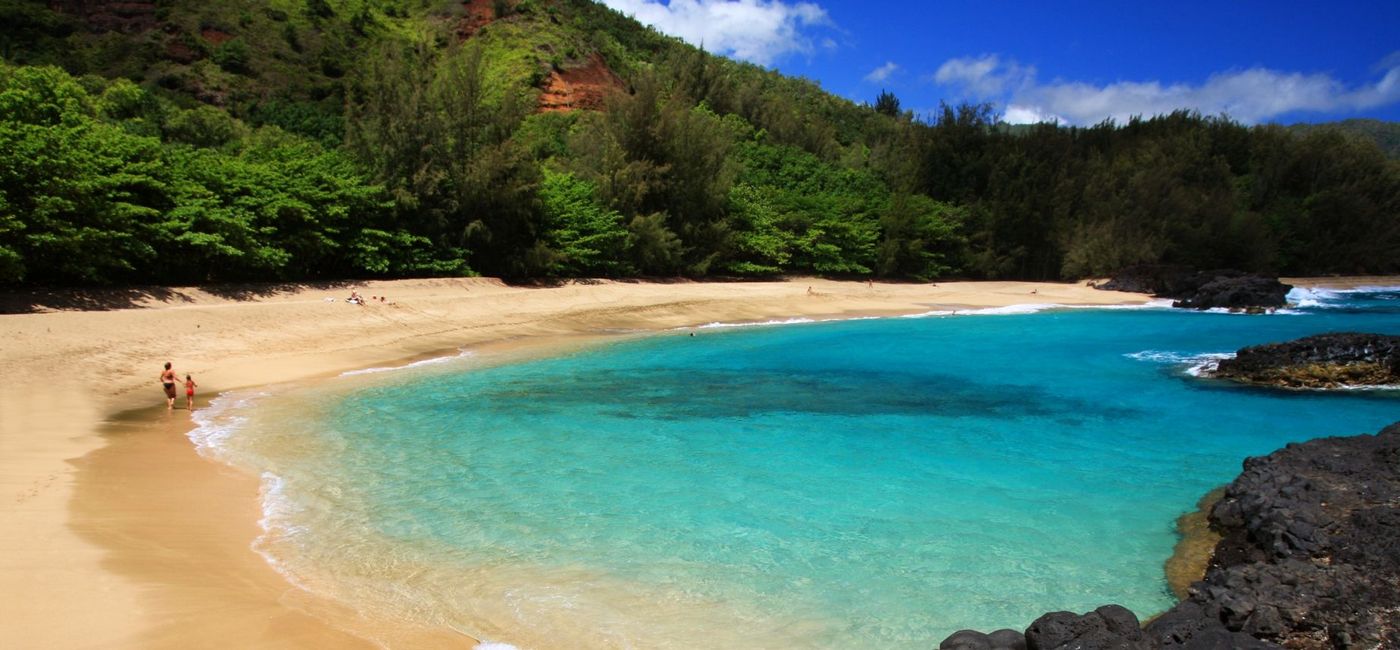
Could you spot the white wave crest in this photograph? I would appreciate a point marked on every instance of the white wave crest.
(1155, 303)
(220, 419)
(1319, 298)
(1034, 308)
(494, 645)
(1313, 298)
(1008, 310)
(416, 364)
(1196, 364)
(1241, 312)
(767, 323)
(931, 314)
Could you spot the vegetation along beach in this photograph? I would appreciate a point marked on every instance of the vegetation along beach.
(717, 323)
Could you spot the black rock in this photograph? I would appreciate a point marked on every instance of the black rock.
(1226, 288)
(1187, 627)
(974, 640)
(1309, 558)
(1320, 361)
(1110, 627)
(1311, 547)
(1163, 280)
(1240, 292)
(966, 640)
(1007, 640)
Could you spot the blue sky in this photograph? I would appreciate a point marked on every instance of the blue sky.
(1076, 62)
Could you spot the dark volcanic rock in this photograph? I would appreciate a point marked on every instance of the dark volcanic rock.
(1226, 288)
(1321, 361)
(1240, 292)
(974, 640)
(966, 640)
(1156, 279)
(1187, 626)
(1310, 558)
(1110, 627)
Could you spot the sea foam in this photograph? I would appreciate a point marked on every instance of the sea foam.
(1196, 364)
(1319, 298)
(766, 323)
(223, 416)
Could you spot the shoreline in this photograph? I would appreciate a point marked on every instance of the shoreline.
(76, 452)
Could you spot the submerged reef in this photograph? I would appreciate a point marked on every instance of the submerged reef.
(1309, 558)
(1332, 360)
(1189, 289)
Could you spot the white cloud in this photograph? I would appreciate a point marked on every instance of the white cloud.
(1017, 114)
(984, 76)
(759, 31)
(882, 73)
(1250, 96)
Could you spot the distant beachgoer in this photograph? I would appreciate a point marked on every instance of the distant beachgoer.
(189, 392)
(355, 298)
(809, 291)
(167, 381)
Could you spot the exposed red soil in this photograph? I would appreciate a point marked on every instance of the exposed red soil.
(480, 13)
(215, 36)
(101, 16)
(584, 87)
(176, 50)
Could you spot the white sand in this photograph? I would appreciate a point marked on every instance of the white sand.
(116, 534)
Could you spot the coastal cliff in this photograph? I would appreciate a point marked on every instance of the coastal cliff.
(1310, 558)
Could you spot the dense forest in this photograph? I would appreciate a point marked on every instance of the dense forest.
(183, 142)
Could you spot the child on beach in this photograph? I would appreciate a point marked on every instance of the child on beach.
(189, 392)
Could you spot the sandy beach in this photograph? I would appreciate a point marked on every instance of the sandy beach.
(116, 533)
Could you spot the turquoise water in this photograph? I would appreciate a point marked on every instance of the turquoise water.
(873, 483)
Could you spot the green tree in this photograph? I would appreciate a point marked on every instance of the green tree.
(589, 239)
(887, 104)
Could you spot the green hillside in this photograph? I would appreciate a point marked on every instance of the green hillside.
(1386, 135)
(176, 141)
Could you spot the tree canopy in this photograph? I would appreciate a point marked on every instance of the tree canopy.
(392, 138)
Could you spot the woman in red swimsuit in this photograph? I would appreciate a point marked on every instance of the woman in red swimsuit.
(189, 393)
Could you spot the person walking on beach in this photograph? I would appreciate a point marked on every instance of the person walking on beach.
(167, 381)
(189, 392)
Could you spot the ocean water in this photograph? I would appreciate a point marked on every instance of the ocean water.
(858, 484)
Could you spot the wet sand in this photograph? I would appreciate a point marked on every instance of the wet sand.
(116, 533)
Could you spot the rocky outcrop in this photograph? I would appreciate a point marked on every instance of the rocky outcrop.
(1239, 292)
(1110, 626)
(973, 640)
(1224, 288)
(585, 86)
(1310, 558)
(1322, 361)
(1164, 280)
(1311, 553)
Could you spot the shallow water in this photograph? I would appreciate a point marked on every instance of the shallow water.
(874, 483)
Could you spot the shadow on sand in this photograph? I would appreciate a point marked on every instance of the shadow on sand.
(110, 298)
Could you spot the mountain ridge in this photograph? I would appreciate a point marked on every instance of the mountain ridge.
(560, 138)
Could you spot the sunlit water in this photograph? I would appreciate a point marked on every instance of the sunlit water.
(874, 483)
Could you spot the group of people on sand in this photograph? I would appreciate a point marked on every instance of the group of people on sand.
(356, 299)
(168, 379)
